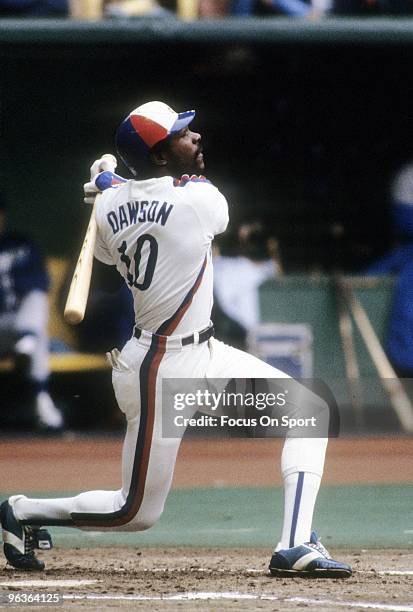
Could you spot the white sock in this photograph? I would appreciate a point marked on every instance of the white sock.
(300, 494)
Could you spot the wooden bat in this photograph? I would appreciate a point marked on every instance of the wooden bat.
(398, 397)
(350, 356)
(79, 288)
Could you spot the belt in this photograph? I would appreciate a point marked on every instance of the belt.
(203, 335)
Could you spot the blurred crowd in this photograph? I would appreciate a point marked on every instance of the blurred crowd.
(238, 274)
(202, 9)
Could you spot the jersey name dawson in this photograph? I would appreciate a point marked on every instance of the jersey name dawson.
(138, 212)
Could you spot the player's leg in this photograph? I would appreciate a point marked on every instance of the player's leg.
(32, 353)
(148, 459)
(302, 460)
(112, 510)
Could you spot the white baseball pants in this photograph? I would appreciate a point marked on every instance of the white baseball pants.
(148, 459)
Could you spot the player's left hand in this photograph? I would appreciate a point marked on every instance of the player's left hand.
(107, 162)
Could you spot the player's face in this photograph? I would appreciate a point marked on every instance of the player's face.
(185, 153)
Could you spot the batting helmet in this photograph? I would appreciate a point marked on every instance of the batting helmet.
(143, 128)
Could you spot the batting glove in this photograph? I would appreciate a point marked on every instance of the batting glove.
(106, 163)
(114, 359)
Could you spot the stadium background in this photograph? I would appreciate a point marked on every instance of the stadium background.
(304, 125)
(314, 119)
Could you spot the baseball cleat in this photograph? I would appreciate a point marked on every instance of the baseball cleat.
(21, 540)
(309, 560)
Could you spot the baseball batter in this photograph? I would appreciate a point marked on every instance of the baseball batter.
(157, 230)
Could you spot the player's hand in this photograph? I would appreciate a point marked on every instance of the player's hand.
(106, 163)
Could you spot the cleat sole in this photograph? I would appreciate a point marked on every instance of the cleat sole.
(314, 573)
(19, 562)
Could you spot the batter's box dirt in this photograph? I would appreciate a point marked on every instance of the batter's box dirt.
(213, 579)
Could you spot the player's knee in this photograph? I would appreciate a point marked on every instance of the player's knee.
(143, 525)
(145, 520)
(303, 455)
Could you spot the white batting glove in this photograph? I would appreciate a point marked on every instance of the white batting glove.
(105, 163)
(114, 359)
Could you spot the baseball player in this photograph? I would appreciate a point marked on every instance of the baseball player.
(157, 230)
(24, 314)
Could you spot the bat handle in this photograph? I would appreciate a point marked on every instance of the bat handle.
(79, 289)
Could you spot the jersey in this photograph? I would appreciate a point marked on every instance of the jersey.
(22, 270)
(158, 233)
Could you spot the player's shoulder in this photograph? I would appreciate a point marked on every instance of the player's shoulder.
(114, 192)
(196, 187)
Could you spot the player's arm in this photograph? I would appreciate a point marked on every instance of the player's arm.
(102, 177)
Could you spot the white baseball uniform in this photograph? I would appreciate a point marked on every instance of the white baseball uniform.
(158, 233)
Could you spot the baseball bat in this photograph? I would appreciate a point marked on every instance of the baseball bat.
(398, 397)
(350, 356)
(79, 288)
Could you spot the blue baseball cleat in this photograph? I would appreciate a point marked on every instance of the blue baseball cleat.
(21, 540)
(309, 560)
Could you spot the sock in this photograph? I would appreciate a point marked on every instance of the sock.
(300, 494)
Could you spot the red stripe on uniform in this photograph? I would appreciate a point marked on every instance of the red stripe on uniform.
(167, 328)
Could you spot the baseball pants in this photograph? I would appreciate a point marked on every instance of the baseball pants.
(148, 458)
(30, 319)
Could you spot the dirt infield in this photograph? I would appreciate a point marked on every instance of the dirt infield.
(76, 462)
(207, 579)
(167, 578)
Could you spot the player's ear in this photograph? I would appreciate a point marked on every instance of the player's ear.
(158, 156)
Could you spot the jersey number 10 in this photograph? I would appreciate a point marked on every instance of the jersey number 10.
(134, 272)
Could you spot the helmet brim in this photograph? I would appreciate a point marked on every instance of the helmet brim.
(183, 120)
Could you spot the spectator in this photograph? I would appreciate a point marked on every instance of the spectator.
(237, 279)
(24, 318)
(399, 343)
(218, 9)
(293, 8)
(134, 8)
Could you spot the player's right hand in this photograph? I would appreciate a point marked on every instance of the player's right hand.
(107, 162)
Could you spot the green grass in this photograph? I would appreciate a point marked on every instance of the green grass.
(345, 517)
